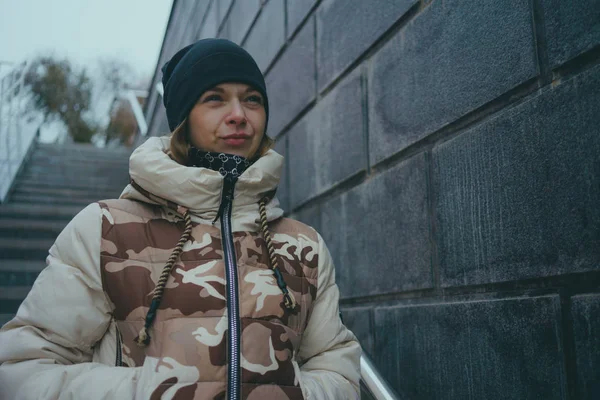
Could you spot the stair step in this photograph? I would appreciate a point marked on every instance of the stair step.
(4, 318)
(114, 186)
(38, 212)
(66, 166)
(21, 189)
(66, 200)
(9, 279)
(56, 158)
(76, 170)
(68, 151)
(80, 176)
(76, 150)
(85, 160)
(76, 179)
(58, 165)
(22, 266)
(34, 229)
(11, 298)
(81, 147)
(24, 248)
(19, 272)
(14, 292)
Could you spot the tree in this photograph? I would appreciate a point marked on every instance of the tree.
(116, 75)
(61, 92)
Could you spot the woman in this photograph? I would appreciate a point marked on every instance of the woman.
(192, 279)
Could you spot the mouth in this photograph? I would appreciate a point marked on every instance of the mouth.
(236, 139)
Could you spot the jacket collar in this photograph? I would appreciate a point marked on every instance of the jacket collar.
(199, 189)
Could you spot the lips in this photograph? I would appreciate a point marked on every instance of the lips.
(237, 136)
(236, 139)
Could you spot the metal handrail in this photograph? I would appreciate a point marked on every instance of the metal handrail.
(131, 96)
(17, 140)
(373, 382)
(160, 89)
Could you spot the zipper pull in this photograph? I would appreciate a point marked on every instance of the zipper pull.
(226, 196)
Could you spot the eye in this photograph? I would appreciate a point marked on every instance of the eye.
(212, 97)
(255, 99)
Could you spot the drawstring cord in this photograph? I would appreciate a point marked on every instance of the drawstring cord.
(143, 338)
(288, 298)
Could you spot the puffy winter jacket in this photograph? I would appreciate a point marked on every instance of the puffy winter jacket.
(73, 336)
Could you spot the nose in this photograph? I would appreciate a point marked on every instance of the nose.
(237, 115)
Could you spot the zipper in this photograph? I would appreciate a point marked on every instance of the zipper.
(119, 358)
(233, 338)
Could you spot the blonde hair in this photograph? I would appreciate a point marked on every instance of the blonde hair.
(180, 144)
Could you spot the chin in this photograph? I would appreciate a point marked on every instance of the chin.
(236, 152)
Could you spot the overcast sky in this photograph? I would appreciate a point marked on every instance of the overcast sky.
(85, 30)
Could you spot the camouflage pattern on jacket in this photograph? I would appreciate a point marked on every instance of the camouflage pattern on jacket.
(189, 333)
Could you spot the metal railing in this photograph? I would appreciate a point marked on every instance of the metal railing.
(373, 385)
(132, 97)
(17, 133)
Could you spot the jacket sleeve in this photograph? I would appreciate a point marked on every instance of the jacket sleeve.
(46, 350)
(329, 354)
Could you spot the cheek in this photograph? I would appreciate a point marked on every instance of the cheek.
(202, 128)
(259, 127)
(258, 122)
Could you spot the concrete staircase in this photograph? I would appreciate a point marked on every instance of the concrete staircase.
(54, 185)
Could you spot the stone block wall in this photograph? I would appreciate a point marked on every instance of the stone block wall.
(449, 153)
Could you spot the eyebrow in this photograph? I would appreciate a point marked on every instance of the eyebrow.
(221, 90)
(216, 89)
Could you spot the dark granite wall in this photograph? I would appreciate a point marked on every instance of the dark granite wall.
(449, 153)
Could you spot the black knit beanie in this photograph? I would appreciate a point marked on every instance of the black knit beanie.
(201, 66)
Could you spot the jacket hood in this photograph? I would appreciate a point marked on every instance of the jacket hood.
(199, 189)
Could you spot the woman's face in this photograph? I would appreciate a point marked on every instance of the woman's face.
(228, 118)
